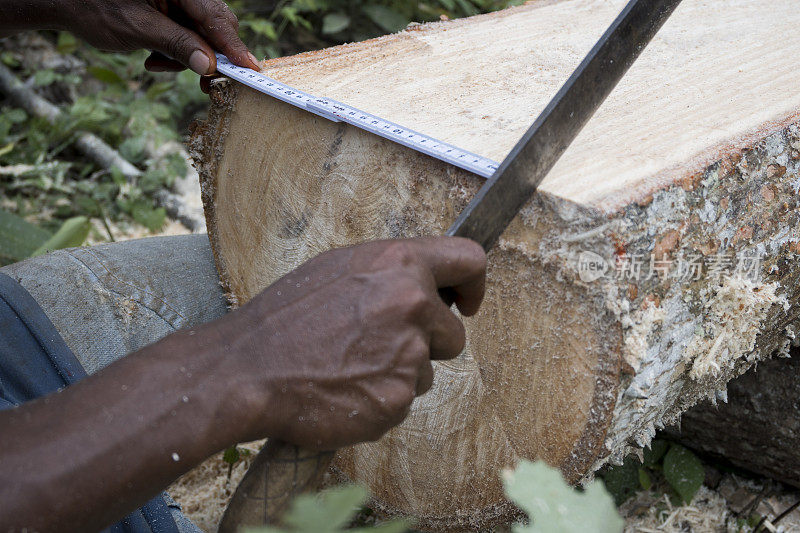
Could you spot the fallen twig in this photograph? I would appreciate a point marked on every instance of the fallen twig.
(95, 148)
(21, 170)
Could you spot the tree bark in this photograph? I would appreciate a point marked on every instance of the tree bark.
(691, 162)
(758, 427)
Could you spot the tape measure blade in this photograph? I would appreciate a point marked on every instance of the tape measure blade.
(339, 112)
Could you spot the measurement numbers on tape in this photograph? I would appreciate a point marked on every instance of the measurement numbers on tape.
(339, 112)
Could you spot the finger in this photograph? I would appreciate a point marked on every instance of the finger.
(458, 264)
(425, 379)
(448, 336)
(179, 43)
(158, 62)
(219, 25)
(205, 83)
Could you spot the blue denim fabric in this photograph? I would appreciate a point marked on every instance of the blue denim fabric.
(110, 300)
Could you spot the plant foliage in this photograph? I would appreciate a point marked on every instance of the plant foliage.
(275, 28)
(553, 506)
(539, 490)
(329, 511)
(678, 466)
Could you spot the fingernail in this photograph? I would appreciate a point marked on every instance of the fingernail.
(253, 59)
(199, 62)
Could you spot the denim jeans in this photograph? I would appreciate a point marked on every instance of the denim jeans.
(110, 300)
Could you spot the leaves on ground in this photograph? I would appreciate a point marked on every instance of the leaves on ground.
(18, 238)
(683, 471)
(622, 481)
(73, 232)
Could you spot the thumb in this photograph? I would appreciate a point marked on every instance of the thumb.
(181, 44)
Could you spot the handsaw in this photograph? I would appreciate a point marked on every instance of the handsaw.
(282, 470)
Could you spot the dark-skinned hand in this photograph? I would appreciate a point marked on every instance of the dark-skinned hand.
(330, 355)
(338, 349)
(180, 33)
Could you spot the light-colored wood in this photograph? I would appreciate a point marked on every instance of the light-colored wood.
(696, 152)
(479, 83)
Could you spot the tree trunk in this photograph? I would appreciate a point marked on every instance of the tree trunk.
(758, 427)
(576, 356)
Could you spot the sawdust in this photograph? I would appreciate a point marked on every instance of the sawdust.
(734, 318)
(725, 508)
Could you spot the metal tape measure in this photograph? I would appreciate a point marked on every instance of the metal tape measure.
(339, 112)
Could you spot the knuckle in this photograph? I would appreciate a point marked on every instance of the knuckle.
(178, 44)
(418, 350)
(398, 403)
(414, 301)
(473, 251)
(220, 13)
(396, 253)
(404, 301)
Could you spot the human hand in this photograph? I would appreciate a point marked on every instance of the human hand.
(181, 33)
(334, 352)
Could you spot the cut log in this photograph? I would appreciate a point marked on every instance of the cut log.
(581, 349)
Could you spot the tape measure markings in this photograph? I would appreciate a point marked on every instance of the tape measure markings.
(339, 112)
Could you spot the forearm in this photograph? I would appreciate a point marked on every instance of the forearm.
(84, 457)
(20, 15)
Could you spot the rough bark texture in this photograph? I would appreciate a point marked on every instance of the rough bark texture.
(758, 427)
(562, 363)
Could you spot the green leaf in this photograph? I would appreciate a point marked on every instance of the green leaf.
(467, 8)
(15, 116)
(653, 453)
(89, 110)
(73, 232)
(18, 237)
(7, 58)
(152, 219)
(158, 89)
(43, 78)
(553, 506)
(622, 481)
(644, 479)
(292, 15)
(261, 27)
(132, 148)
(106, 75)
(5, 150)
(175, 166)
(683, 471)
(231, 455)
(329, 510)
(386, 18)
(334, 23)
(67, 43)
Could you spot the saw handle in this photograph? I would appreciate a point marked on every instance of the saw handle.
(279, 472)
